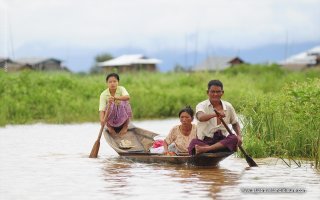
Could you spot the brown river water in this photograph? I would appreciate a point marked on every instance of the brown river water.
(42, 161)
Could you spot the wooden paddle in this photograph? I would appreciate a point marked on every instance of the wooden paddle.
(249, 160)
(96, 146)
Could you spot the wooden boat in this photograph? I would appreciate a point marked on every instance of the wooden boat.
(142, 140)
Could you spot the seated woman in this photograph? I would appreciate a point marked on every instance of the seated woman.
(114, 102)
(181, 135)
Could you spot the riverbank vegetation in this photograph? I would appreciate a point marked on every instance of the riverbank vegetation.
(280, 108)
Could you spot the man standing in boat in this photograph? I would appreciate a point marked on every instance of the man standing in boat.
(212, 135)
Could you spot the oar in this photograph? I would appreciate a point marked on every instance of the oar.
(249, 160)
(96, 146)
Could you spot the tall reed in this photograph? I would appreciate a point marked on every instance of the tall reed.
(285, 123)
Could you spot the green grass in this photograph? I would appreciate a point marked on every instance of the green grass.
(285, 123)
(280, 108)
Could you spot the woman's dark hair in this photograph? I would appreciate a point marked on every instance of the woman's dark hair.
(215, 83)
(113, 75)
(188, 110)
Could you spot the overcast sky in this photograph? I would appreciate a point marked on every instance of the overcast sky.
(156, 24)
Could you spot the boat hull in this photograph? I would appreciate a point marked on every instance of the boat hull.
(207, 159)
(143, 139)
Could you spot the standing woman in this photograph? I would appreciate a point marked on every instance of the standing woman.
(116, 98)
(181, 135)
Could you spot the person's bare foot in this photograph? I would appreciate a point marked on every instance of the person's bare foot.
(200, 149)
(121, 134)
(112, 133)
(123, 131)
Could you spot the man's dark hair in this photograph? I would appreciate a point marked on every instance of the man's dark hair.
(215, 83)
(113, 75)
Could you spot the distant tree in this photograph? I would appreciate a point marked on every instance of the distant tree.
(99, 58)
(179, 68)
(103, 57)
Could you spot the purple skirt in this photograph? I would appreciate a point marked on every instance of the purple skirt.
(230, 142)
(119, 113)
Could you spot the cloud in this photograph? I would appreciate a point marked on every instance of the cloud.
(158, 24)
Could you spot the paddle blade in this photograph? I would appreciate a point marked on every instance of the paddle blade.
(249, 160)
(95, 150)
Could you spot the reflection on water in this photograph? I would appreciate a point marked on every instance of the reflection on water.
(129, 180)
(51, 161)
